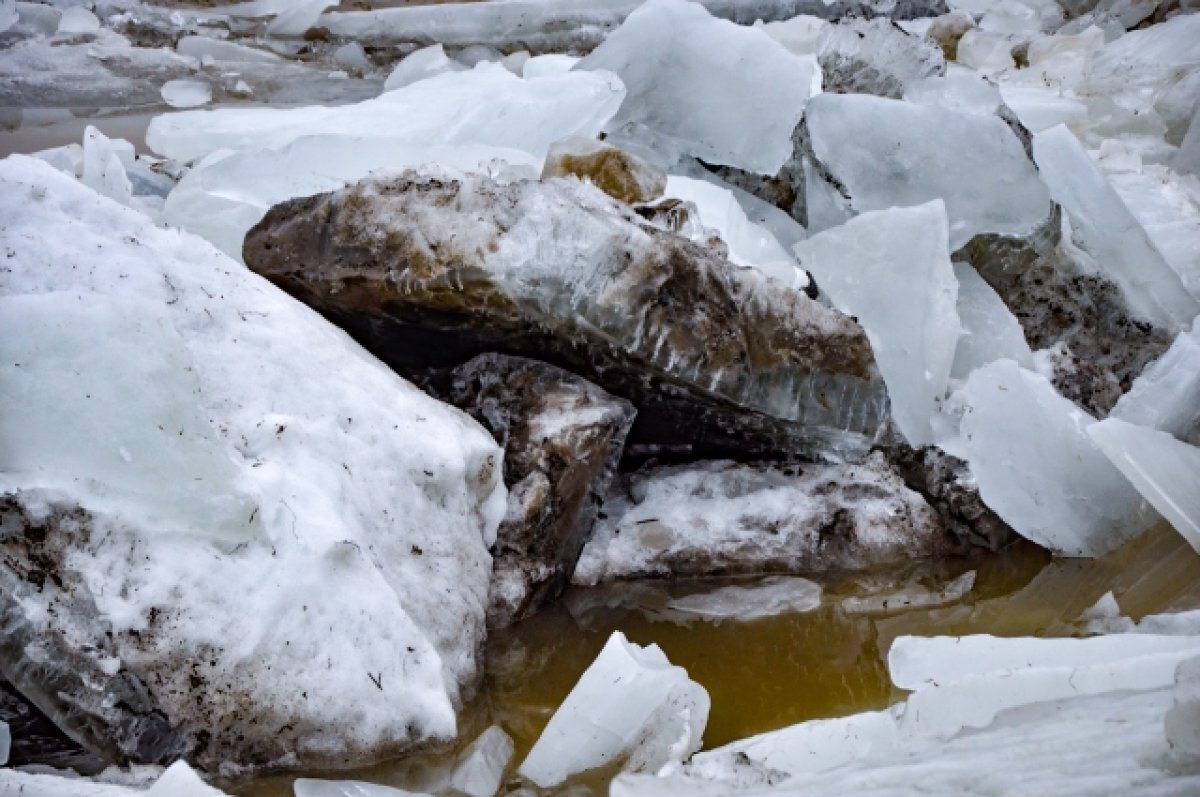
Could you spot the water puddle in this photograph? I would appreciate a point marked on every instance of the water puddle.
(773, 672)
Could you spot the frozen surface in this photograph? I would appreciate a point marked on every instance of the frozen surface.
(424, 63)
(891, 270)
(230, 382)
(186, 93)
(712, 89)
(749, 244)
(1164, 470)
(725, 517)
(632, 705)
(487, 105)
(1166, 396)
(1035, 465)
(990, 330)
(890, 153)
(1105, 228)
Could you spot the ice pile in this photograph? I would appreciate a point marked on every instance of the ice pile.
(165, 407)
(631, 707)
(980, 703)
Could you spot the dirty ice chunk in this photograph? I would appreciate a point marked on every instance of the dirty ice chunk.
(725, 93)
(1167, 394)
(487, 105)
(630, 703)
(990, 330)
(481, 765)
(749, 244)
(186, 93)
(1110, 233)
(426, 62)
(891, 270)
(1164, 470)
(1037, 468)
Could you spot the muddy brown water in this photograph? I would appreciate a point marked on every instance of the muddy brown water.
(770, 673)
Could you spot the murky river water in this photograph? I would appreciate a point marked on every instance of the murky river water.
(769, 673)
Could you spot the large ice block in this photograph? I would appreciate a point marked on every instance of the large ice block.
(1109, 232)
(891, 270)
(1037, 468)
(1166, 396)
(724, 93)
(632, 705)
(990, 330)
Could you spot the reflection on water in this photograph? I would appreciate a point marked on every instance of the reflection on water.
(774, 672)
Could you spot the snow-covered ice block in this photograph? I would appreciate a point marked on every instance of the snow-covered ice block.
(1037, 468)
(990, 330)
(891, 270)
(180, 780)
(186, 93)
(300, 482)
(1164, 470)
(749, 244)
(1166, 396)
(424, 63)
(889, 153)
(630, 704)
(103, 169)
(727, 94)
(487, 105)
(312, 787)
(1109, 232)
(481, 765)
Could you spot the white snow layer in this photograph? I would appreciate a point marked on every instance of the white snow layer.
(891, 270)
(722, 92)
(988, 717)
(187, 404)
(1036, 467)
(483, 120)
(178, 780)
(631, 706)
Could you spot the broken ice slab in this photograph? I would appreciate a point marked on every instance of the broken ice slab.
(910, 596)
(716, 358)
(453, 108)
(887, 153)
(5, 739)
(891, 270)
(1040, 108)
(1166, 396)
(766, 598)
(103, 169)
(1037, 468)
(990, 331)
(631, 706)
(1164, 470)
(720, 518)
(723, 99)
(859, 56)
(749, 244)
(223, 51)
(1110, 234)
(186, 93)
(481, 765)
(919, 662)
(424, 63)
(312, 787)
